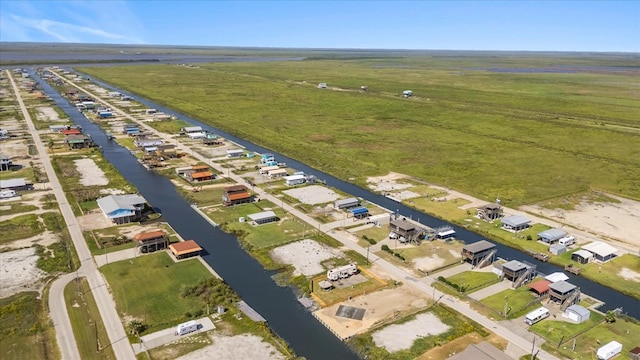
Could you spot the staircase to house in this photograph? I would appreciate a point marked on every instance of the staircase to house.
(521, 279)
(487, 258)
(572, 299)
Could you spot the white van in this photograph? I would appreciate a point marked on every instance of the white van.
(567, 240)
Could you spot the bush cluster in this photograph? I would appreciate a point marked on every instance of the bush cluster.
(369, 240)
(387, 249)
(460, 288)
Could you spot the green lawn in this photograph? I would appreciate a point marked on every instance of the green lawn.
(624, 331)
(168, 126)
(153, 295)
(17, 208)
(86, 321)
(25, 330)
(474, 280)
(21, 227)
(454, 124)
(516, 301)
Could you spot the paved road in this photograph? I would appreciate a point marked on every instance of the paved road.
(57, 306)
(393, 271)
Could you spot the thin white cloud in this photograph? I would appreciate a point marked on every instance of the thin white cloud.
(67, 32)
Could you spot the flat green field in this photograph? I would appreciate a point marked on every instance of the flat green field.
(152, 295)
(526, 137)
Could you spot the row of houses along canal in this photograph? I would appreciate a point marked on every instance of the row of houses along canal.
(255, 285)
(612, 299)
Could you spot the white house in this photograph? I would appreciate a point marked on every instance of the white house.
(235, 153)
(295, 180)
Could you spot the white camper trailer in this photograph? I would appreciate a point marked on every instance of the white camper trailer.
(609, 350)
(6, 194)
(187, 327)
(342, 272)
(536, 315)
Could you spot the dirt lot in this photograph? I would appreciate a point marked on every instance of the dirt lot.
(314, 194)
(381, 305)
(91, 174)
(398, 337)
(306, 256)
(18, 272)
(47, 114)
(244, 346)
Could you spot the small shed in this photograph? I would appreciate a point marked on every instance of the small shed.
(551, 236)
(325, 285)
(346, 203)
(191, 129)
(185, 249)
(407, 93)
(516, 223)
(609, 350)
(634, 354)
(263, 217)
(577, 313)
(582, 256)
(557, 249)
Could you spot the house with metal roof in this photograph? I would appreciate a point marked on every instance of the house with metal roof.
(263, 217)
(359, 212)
(563, 292)
(79, 141)
(16, 184)
(551, 236)
(516, 223)
(518, 272)
(293, 180)
(582, 256)
(601, 251)
(346, 203)
(557, 249)
(479, 253)
(191, 129)
(556, 276)
(235, 153)
(122, 209)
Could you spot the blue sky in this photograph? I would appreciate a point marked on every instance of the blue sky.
(452, 25)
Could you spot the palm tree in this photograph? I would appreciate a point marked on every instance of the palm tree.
(134, 327)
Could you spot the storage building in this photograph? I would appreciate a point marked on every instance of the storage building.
(577, 313)
(582, 256)
(295, 180)
(515, 223)
(551, 236)
(602, 252)
(346, 203)
(263, 217)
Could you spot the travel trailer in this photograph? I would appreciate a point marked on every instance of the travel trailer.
(187, 327)
(342, 272)
(536, 315)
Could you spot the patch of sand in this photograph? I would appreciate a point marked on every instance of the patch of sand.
(314, 194)
(305, 255)
(45, 239)
(380, 305)
(398, 337)
(618, 221)
(629, 274)
(47, 113)
(91, 174)
(428, 263)
(19, 272)
(244, 346)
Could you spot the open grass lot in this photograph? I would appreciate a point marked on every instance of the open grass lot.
(458, 326)
(473, 280)
(516, 301)
(624, 331)
(24, 328)
(20, 227)
(86, 321)
(482, 132)
(337, 295)
(153, 295)
(168, 126)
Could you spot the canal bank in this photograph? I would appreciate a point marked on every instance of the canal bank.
(611, 298)
(285, 315)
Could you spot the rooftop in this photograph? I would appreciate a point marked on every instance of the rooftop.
(479, 246)
(540, 286)
(514, 265)
(562, 287)
(184, 247)
(516, 220)
(149, 235)
(262, 215)
(552, 234)
(601, 249)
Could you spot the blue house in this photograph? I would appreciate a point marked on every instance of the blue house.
(122, 209)
(359, 212)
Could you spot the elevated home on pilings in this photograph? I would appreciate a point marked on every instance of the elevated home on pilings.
(152, 241)
(236, 194)
(405, 231)
(564, 293)
(490, 212)
(518, 272)
(479, 253)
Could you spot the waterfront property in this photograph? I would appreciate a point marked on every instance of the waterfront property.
(152, 241)
(551, 236)
(601, 251)
(264, 217)
(79, 141)
(490, 212)
(479, 253)
(122, 209)
(235, 195)
(481, 351)
(272, 174)
(346, 203)
(518, 272)
(185, 249)
(564, 293)
(557, 249)
(582, 256)
(359, 212)
(191, 129)
(515, 223)
(235, 153)
(295, 180)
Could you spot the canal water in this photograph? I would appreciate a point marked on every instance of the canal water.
(612, 299)
(285, 315)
